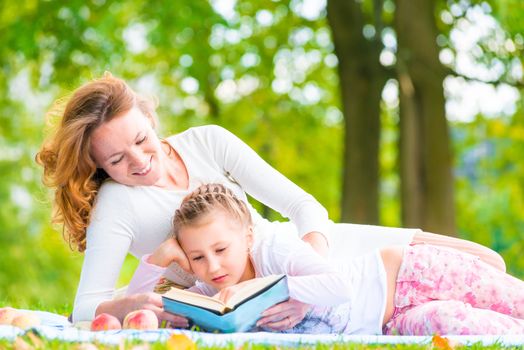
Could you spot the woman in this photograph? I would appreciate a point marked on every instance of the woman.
(116, 184)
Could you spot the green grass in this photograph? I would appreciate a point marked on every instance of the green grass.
(31, 341)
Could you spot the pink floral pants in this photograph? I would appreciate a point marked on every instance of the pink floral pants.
(444, 291)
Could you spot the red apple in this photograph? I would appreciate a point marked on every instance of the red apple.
(141, 319)
(85, 346)
(105, 322)
(7, 314)
(26, 320)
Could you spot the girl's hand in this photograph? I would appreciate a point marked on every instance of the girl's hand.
(167, 252)
(284, 316)
(150, 301)
(225, 294)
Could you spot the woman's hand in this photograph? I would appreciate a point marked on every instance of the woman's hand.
(284, 316)
(318, 241)
(150, 301)
(167, 252)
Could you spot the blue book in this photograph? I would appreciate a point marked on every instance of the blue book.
(240, 313)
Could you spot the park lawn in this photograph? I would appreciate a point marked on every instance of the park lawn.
(31, 341)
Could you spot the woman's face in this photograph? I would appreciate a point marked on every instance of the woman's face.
(128, 149)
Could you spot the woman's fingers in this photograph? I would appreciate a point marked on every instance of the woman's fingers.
(274, 318)
(282, 324)
(284, 315)
(153, 302)
(277, 309)
(174, 321)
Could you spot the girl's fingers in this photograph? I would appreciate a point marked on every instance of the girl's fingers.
(225, 294)
(183, 262)
(222, 295)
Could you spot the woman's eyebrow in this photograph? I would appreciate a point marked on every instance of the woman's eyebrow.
(117, 153)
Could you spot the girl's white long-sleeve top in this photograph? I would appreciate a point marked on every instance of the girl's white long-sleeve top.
(347, 297)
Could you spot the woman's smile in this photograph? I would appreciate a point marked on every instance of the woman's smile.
(144, 171)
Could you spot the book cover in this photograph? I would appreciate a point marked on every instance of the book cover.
(238, 318)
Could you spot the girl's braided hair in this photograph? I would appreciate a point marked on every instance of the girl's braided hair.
(206, 199)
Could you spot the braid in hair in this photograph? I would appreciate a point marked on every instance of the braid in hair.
(206, 199)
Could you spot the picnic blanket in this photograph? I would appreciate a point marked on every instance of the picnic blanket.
(58, 327)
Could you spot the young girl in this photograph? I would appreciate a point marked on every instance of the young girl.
(415, 290)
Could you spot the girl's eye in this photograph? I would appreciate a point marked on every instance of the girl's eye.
(115, 162)
(220, 250)
(196, 258)
(141, 140)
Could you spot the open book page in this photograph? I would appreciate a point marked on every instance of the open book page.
(212, 303)
(195, 299)
(251, 289)
(240, 319)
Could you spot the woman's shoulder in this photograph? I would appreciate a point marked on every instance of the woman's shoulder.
(203, 131)
(112, 193)
(110, 187)
(112, 190)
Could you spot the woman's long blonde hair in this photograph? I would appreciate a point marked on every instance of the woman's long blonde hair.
(69, 168)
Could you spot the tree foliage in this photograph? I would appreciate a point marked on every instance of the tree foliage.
(265, 70)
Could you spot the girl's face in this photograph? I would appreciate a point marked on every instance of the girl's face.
(128, 149)
(218, 250)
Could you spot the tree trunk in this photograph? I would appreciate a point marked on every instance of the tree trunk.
(362, 79)
(425, 155)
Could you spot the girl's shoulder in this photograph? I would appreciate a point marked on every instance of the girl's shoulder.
(277, 237)
(272, 249)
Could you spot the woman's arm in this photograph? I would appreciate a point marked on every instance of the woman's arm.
(109, 238)
(484, 253)
(264, 183)
(151, 301)
(318, 241)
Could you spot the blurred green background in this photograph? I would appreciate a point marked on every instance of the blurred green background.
(267, 71)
